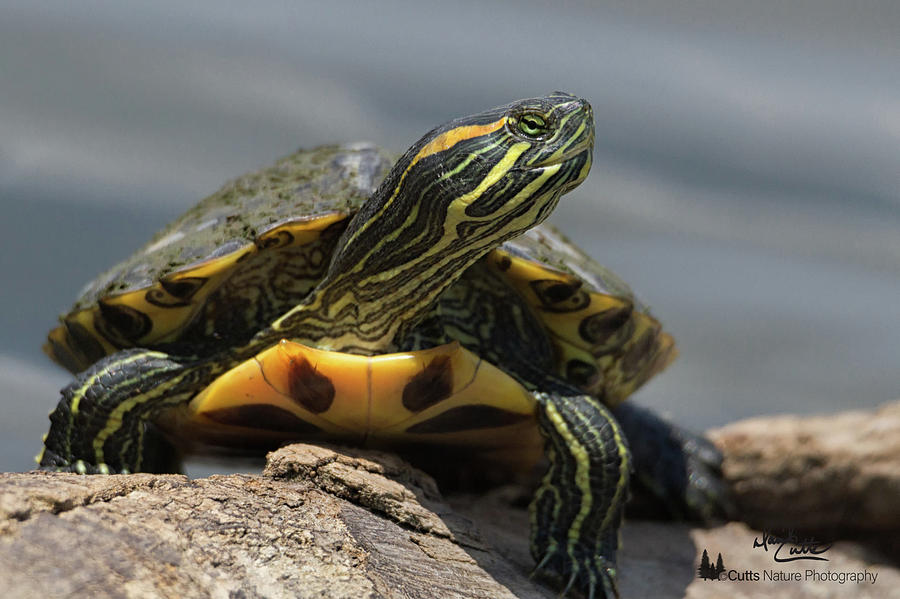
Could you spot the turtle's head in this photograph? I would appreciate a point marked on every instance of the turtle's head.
(514, 158)
(503, 171)
(457, 193)
(478, 180)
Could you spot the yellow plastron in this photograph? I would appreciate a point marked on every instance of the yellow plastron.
(445, 396)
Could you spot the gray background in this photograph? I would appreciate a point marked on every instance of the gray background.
(746, 178)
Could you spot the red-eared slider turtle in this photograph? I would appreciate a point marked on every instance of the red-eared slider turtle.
(335, 297)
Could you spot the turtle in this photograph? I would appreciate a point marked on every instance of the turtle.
(346, 295)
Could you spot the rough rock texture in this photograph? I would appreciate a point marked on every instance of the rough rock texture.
(324, 522)
(659, 560)
(834, 475)
(318, 524)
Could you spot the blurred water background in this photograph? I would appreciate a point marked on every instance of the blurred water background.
(746, 179)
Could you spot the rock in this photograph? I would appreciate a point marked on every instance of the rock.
(338, 522)
(317, 524)
(831, 475)
(659, 560)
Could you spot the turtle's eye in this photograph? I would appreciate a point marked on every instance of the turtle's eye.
(532, 124)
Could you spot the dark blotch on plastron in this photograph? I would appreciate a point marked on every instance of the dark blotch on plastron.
(560, 296)
(127, 322)
(504, 263)
(262, 416)
(466, 418)
(308, 387)
(432, 385)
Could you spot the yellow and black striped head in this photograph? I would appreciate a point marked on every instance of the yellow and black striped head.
(470, 184)
(456, 194)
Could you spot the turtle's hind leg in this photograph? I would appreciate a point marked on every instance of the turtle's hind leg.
(677, 472)
(577, 510)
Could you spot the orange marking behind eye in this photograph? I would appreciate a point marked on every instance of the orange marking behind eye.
(450, 138)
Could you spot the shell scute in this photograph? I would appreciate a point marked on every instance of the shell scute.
(234, 261)
(606, 341)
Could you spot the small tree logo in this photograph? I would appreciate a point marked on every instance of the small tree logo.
(707, 571)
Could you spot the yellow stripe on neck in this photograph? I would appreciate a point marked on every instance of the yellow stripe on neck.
(496, 173)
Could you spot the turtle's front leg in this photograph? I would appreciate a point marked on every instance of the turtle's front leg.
(102, 424)
(577, 510)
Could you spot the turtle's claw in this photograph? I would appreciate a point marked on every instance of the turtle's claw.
(51, 462)
(593, 575)
(705, 496)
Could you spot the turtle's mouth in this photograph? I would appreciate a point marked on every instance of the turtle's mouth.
(584, 146)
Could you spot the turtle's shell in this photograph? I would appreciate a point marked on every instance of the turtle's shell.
(248, 253)
(236, 260)
(606, 340)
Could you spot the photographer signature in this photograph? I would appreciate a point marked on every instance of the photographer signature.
(797, 550)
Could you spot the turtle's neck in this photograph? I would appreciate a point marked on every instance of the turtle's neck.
(459, 192)
(391, 266)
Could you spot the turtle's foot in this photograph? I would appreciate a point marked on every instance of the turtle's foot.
(676, 472)
(580, 569)
(52, 462)
(157, 455)
(164, 462)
